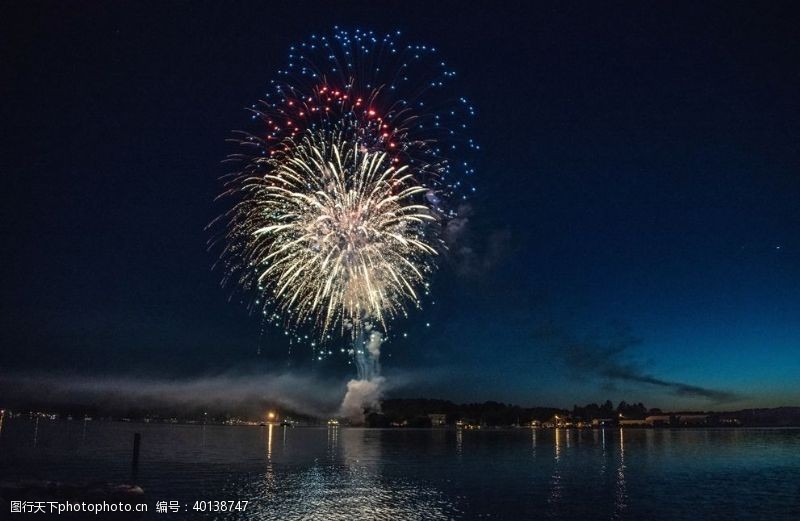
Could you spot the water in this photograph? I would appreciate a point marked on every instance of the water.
(343, 473)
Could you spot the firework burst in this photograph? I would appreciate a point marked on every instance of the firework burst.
(342, 193)
(334, 233)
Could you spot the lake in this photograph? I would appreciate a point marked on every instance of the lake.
(348, 473)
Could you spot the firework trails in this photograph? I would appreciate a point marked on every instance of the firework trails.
(337, 207)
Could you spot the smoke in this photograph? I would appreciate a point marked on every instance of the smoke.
(229, 393)
(361, 396)
(374, 344)
(471, 252)
(234, 393)
(367, 351)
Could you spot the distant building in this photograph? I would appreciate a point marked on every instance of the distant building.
(603, 422)
(659, 420)
(692, 419)
(438, 420)
(632, 423)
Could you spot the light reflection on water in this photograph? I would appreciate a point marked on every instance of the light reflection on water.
(555, 480)
(341, 473)
(621, 495)
(346, 484)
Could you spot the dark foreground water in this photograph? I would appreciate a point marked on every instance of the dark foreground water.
(343, 473)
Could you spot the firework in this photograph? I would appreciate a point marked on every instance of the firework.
(334, 233)
(337, 208)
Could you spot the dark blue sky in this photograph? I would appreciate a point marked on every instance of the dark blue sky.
(636, 233)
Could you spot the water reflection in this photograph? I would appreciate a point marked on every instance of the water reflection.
(270, 483)
(603, 452)
(620, 489)
(348, 482)
(343, 473)
(361, 450)
(333, 441)
(556, 486)
(269, 442)
(36, 432)
(559, 434)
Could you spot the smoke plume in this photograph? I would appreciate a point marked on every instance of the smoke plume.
(235, 393)
(363, 394)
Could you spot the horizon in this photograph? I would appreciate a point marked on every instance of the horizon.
(114, 396)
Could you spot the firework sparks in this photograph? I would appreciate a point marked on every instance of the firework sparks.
(336, 234)
(343, 191)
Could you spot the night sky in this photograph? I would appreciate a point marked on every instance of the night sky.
(636, 233)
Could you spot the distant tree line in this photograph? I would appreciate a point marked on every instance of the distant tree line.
(633, 411)
(414, 413)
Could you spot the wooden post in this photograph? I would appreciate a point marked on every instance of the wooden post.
(137, 440)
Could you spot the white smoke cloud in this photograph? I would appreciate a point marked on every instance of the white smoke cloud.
(301, 393)
(361, 396)
(374, 344)
(456, 228)
(364, 393)
(248, 393)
